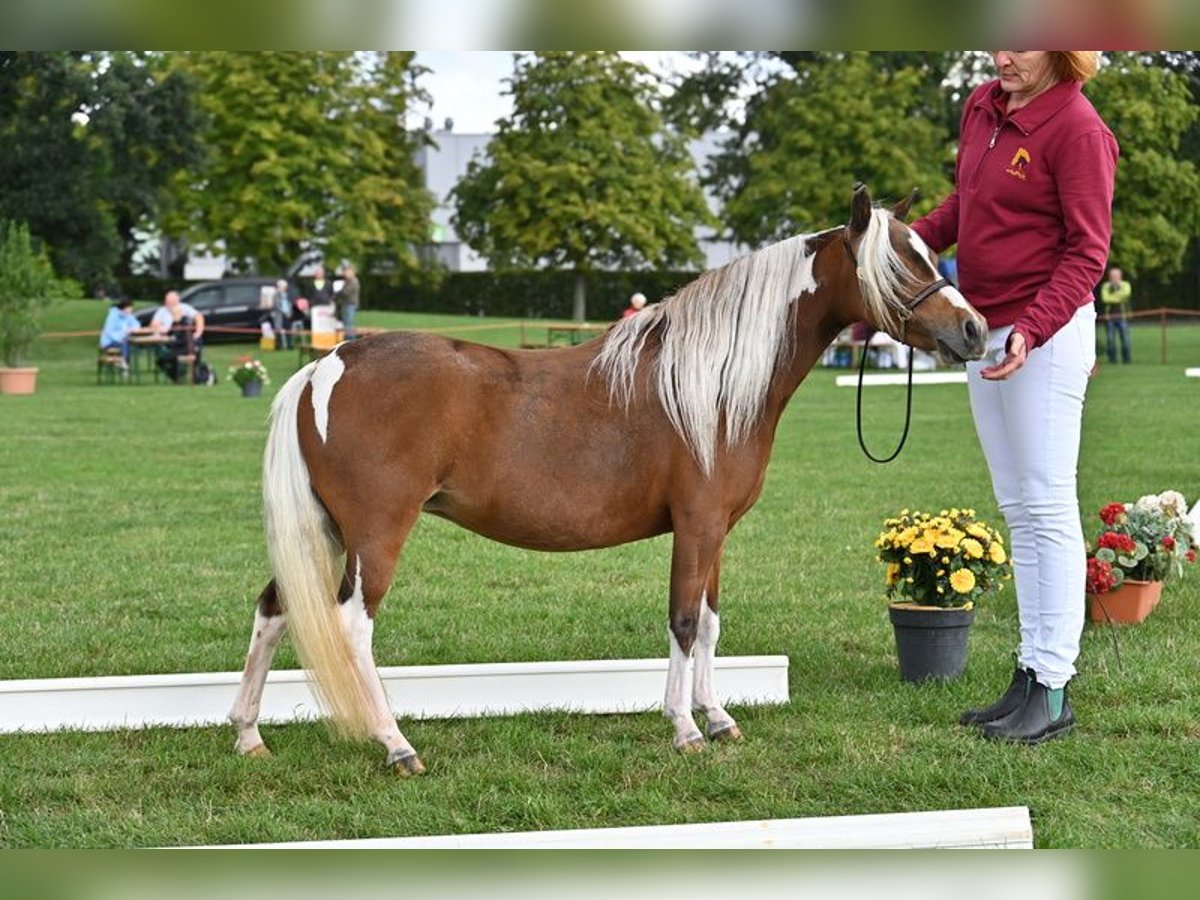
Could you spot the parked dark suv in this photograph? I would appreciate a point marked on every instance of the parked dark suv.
(232, 303)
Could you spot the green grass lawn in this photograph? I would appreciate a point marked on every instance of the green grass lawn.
(131, 542)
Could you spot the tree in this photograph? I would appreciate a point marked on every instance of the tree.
(810, 133)
(584, 174)
(1156, 206)
(53, 172)
(88, 145)
(306, 150)
(149, 125)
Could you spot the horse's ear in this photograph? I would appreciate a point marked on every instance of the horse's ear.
(860, 208)
(900, 210)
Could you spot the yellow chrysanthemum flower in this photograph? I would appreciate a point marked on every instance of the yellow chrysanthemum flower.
(963, 581)
(950, 539)
(996, 554)
(893, 574)
(972, 548)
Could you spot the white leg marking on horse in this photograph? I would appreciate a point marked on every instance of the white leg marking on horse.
(360, 627)
(244, 713)
(328, 371)
(704, 697)
(676, 703)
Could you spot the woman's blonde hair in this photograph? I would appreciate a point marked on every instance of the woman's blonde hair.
(1075, 65)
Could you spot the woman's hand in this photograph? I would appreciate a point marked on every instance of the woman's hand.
(1014, 359)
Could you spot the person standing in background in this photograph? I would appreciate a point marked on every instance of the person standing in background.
(348, 298)
(1115, 294)
(636, 304)
(1031, 214)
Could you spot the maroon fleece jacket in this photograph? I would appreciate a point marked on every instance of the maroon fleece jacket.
(1032, 208)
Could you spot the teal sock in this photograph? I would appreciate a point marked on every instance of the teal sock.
(1055, 697)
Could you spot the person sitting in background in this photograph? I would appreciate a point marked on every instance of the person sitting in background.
(119, 324)
(636, 304)
(184, 324)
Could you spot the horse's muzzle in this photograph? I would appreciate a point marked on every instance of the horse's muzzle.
(966, 345)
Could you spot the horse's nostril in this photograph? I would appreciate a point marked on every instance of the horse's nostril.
(971, 331)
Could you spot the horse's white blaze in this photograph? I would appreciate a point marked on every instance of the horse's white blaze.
(328, 371)
(918, 244)
(951, 293)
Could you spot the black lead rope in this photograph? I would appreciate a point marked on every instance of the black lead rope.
(862, 366)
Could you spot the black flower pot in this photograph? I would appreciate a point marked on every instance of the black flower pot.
(252, 389)
(930, 641)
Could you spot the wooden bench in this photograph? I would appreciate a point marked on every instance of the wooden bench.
(111, 367)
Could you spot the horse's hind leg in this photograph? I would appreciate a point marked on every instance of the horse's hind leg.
(368, 574)
(721, 725)
(269, 625)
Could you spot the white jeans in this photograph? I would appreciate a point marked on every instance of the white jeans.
(1029, 428)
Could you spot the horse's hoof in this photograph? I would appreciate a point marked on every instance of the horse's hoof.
(404, 766)
(690, 745)
(258, 751)
(728, 732)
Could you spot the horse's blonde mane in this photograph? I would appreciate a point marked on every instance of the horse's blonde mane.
(882, 273)
(720, 338)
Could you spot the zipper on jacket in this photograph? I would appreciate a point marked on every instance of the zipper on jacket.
(991, 144)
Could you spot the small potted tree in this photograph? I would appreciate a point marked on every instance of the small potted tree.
(27, 287)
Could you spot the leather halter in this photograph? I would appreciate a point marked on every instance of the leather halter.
(904, 309)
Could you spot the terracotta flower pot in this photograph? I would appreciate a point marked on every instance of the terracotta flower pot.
(1127, 605)
(18, 381)
(931, 642)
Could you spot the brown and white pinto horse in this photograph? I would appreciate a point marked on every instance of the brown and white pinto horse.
(665, 423)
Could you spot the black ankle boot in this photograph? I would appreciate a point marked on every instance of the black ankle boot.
(1013, 697)
(1044, 715)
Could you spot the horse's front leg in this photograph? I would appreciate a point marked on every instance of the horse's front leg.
(720, 725)
(692, 560)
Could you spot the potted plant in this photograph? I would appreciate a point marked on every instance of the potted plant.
(937, 567)
(1141, 545)
(250, 375)
(28, 285)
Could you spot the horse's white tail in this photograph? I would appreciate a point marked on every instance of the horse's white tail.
(305, 560)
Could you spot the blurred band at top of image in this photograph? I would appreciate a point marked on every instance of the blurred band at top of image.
(637, 24)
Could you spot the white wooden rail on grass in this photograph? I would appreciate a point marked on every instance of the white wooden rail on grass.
(1004, 827)
(1192, 373)
(877, 379)
(589, 686)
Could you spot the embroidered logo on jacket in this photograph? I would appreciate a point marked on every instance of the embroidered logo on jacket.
(1020, 160)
